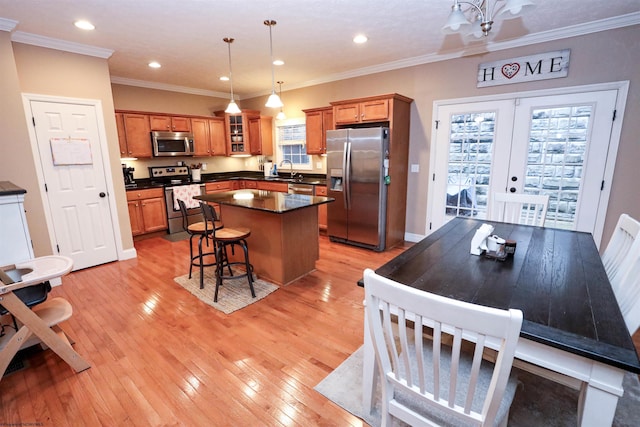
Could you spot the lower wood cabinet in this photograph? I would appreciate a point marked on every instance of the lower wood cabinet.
(147, 210)
(281, 187)
(322, 209)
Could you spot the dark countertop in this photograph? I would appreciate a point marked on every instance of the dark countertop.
(7, 189)
(270, 201)
(311, 179)
(555, 277)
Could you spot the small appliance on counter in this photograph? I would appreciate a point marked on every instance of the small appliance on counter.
(127, 172)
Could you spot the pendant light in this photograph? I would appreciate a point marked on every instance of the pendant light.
(274, 100)
(281, 115)
(232, 108)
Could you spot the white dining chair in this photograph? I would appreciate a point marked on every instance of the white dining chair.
(626, 287)
(615, 257)
(425, 380)
(518, 208)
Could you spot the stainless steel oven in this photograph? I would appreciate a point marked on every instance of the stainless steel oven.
(175, 179)
(174, 215)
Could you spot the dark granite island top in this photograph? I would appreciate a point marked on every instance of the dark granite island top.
(270, 201)
(283, 245)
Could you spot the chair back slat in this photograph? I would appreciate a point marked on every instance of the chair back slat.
(428, 371)
(619, 247)
(517, 208)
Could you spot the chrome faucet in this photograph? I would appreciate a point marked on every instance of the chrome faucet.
(290, 165)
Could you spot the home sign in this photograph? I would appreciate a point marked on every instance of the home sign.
(543, 66)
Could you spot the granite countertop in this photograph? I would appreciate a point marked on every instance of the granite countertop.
(8, 188)
(314, 179)
(270, 201)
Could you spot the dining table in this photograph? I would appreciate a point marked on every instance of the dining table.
(573, 330)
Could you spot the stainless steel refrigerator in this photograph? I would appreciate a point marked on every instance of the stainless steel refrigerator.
(357, 178)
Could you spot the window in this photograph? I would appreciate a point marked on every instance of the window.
(291, 143)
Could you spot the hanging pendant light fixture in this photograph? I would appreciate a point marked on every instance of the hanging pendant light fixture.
(281, 115)
(274, 100)
(232, 108)
(481, 13)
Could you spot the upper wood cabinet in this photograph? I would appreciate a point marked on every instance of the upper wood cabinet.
(364, 110)
(238, 131)
(208, 136)
(261, 136)
(134, 135)
(170, 123)
(318, 122)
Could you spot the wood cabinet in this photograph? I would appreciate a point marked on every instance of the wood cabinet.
(322, 209)
(248, 133)
(208, 136)
(170, 123)
(134, 135)
(318, 122)
(217, 187)
(261, 136)
(281, 187)
(147, 210)
(366, 110)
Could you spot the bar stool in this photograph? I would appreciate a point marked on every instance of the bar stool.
(222, 238)
(202, 231)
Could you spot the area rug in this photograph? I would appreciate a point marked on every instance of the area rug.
(176, 237)
(233, 295)
(538, 402)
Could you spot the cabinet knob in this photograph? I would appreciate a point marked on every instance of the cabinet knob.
(362, 115)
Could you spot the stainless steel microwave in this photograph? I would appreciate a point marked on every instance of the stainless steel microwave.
(172, 144)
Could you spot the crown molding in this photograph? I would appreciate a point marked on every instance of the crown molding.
(51, 43)
(7, 24)
(169, 87)
(474, 49)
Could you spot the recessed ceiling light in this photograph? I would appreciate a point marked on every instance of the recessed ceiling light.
(360, 38)
(84, 25)
(278, 62)
(224, 78)
(154, 64)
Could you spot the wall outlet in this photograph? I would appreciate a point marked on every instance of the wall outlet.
(318, 165)
(204, 166)
(415, 168)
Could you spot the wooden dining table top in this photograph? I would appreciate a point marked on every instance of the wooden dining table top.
(556, 277)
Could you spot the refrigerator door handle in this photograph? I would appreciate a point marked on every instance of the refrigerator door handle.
(347, 175)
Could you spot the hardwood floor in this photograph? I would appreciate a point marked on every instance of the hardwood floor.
(160, 357)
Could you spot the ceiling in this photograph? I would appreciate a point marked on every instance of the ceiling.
(313, 37)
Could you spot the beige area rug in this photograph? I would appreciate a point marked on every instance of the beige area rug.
(538, 401)
(233, 295)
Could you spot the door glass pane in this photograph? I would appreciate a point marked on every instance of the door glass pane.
(469, 169)
(557, 145)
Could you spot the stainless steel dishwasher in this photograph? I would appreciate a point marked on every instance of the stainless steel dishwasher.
(298, 188)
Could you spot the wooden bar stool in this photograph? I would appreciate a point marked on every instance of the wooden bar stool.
(222, 238)
(201, 230)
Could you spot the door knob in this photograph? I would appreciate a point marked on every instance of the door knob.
(102, 194)
(512, 189)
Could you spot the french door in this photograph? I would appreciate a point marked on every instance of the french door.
(557, 145)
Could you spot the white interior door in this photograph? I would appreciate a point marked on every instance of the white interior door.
(72, 165)
(556, 145)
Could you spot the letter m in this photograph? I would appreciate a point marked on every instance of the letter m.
(535, 70)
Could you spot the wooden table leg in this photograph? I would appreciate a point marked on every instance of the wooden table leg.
(32, 324)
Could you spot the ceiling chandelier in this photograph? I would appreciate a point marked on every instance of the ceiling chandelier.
(477, 18)
(274, 100)
(232, 108)
(280, 115)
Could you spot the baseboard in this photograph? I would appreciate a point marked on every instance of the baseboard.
(127, 254)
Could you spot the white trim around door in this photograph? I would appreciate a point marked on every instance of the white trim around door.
(27, 99)
(434, 220)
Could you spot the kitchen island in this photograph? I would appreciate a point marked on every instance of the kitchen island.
(283, 245)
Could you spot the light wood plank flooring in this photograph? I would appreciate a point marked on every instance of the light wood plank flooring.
(160, 357)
